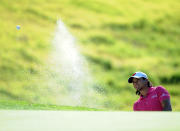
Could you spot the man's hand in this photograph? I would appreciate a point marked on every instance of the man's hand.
(166, 104)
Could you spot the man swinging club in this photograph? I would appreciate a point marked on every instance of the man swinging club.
(151, 98)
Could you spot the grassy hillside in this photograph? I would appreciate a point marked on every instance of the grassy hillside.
(116, 37)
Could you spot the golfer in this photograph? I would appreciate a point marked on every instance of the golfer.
(151, 98)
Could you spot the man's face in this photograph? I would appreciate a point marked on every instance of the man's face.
(139, 83)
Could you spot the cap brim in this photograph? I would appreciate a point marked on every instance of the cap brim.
(130, 80)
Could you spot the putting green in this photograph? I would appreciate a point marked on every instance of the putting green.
(88, 121)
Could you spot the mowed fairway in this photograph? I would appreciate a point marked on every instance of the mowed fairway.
(11, 120)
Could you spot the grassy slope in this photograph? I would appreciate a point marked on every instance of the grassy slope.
(117, 37)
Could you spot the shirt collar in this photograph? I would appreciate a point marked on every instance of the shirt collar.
(149, 91)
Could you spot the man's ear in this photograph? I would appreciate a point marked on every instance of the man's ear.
(145, 80)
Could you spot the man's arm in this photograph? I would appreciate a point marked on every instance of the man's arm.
(166, 104)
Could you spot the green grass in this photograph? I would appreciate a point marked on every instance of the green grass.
(22, 105)
(117, 37)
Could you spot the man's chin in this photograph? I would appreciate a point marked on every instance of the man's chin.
(139, 89)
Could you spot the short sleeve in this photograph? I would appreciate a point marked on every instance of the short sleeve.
(162, 93)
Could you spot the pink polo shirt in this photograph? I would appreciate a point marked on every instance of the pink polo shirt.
(152, 101)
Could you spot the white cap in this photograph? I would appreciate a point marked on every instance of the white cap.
(137, 75)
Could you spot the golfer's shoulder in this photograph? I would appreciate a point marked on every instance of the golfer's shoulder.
(135, 105)
(162, 92)
(136, 102)
(160, 89)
